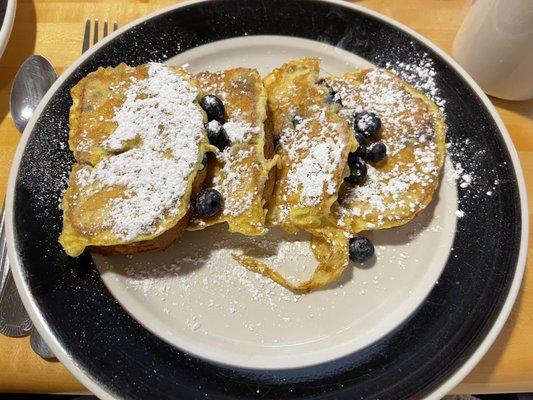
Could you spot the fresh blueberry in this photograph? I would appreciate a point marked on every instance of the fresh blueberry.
(333, 97)
(361, 140)
(217, 134)
(367, 123)
(213, 107)
(376, 152)
(208, 203)
(357, 170)
(361, 249)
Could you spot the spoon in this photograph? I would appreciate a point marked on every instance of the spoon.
(32, 81)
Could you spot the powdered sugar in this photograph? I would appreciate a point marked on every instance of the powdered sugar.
(220, 271)
(401, 114)
(385, 192)
(421, 74)
(393, 192)
(153, 186)
(240, 131)
(314, 160)
(238, 176)
(238, 170)
(160, 112)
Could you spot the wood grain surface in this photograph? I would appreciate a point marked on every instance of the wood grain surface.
(54, 28)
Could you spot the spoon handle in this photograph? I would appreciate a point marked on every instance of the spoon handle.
(14, 320)
(3, 250)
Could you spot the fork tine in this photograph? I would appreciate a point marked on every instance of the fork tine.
(86, 36)
(105, 28)
(115, 26)
(95, 33)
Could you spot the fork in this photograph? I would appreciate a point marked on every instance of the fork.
(87, 33)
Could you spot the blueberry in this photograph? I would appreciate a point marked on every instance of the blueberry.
(367, 123)
(213, 107)
(357, 170)
(361, 150)
(208, 203)
(376, 152)
(332, 97)
(361, 139)
(217, 134)
(361, 249)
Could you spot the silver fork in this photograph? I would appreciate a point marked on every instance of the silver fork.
(95, 30)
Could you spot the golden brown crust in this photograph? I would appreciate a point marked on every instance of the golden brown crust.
(242, 172)
(88, 201)
(313, 146)
(161, 242)
(414, 130)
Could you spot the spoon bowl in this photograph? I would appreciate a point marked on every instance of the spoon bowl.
(31, 82)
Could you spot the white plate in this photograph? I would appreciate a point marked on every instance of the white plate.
(197, 297)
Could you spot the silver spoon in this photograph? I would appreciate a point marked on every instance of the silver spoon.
(29, 87)
(32, 81)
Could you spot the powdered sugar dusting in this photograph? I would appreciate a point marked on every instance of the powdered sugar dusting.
(160, 111)
(153, 186)
(155, 176)
(239, 168)
(220, 272)
(421, 74)
(314, 160)
(394, 191)
(240, 131)
(238, 177)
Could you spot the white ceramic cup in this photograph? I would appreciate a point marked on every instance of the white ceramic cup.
(495, 46)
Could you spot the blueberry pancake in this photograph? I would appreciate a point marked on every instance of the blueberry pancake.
(242, 170)
(313, 144)
(139, 141)
(385, 111)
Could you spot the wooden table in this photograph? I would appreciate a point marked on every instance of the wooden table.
(54, 28)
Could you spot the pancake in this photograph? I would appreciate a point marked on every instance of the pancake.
(139, 141)
(313, 144)
(413, 129)
(243, 172)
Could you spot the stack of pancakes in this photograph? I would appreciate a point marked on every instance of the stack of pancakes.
(139, 141)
